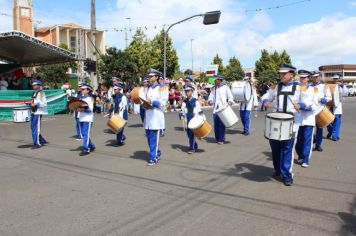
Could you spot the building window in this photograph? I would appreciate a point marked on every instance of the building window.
(350, 74)
(330, 74)
(25, 12)
(72, 42)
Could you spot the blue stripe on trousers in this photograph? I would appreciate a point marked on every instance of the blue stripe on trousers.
(304, 143)
(37, 138)
(87, 143)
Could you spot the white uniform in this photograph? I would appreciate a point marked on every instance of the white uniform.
(322, 92)
(41, 102)
(87, 116)
(247, 106)
(343, 93)
(310, 99)
(154, 118)
(220, 96)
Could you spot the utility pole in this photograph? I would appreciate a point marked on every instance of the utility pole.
(93, 75)
(191, 53)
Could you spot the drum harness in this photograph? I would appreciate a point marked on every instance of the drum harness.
(34, 95)
(286, 96)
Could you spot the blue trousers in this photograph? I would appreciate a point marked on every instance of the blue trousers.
(334, 127)
(36, 130)
(318, 137)
(87, 143)
(193, 145)
(245, 119)
(142, 113)
(153, 142)
(219, 129)
(120, 137)
(304, 143)
(78, 128)
(282, 154)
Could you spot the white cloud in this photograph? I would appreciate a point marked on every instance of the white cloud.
(323, 42)
(353, 4)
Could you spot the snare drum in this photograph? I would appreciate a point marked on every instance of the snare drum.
(335, 94)
(323, 116)
(279, 126)
(200, 126)
(116, 123)
(21, 115)
(135, 95)
(227, 116)
(241, 90)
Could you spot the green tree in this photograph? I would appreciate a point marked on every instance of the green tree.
(156, 50)
(266, 78)
(116, 63)
(139, 50)
(188, 72)
(218, 61)
(233, 70)
(56, 74)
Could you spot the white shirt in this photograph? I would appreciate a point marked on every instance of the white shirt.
(41, 102)
(154, 118)
(308, 96)
(220, 96)
(196, 110)
(247, 106)
(3, 85)
(87, 115)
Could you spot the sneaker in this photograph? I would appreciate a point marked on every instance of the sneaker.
(305, 165)
(191, 151)
(92, 149)
(334, 139)
(288, 182)
(151, 163)
(300, 161)
(84, 153)
(220, 143)
(319, 149)
(78, 138)
(328, 136)
(36, 146)
(246, 134)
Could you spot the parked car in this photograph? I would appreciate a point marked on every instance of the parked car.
(352, 89)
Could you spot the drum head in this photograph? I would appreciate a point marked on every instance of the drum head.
(279, 116)
(196, 122)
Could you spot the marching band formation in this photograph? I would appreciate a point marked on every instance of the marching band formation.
(300, 111)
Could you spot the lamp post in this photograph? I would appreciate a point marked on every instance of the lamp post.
(191, 53)
(210, 18)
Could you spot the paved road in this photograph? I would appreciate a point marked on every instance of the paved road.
(222, 190)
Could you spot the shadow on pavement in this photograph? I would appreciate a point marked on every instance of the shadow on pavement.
(108, 131)
(140, 155)
(251, 172)
(349, 220)
(233, 131)
(135, 126)
(25, 146)
(268, 155)
(178, 128)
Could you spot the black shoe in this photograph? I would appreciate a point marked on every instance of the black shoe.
(328, 136)
(92, 149)
(276, 175)
(36, 146)
(84, 153)
(334, 139)
(288, 182)
(319, 149)
(246, 134)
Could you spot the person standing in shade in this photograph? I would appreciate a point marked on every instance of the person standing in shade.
(219, 97)
(39, 108)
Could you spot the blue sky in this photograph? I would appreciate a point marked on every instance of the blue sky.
(314, 32)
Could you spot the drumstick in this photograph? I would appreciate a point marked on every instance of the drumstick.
(183, 123)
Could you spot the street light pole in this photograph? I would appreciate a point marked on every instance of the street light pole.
(191, 53)
(209, 18)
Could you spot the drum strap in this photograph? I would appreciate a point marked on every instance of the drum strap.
(285, 94)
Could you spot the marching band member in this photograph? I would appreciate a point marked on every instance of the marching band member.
(86, 118)
(39, 108)
(285, 98)
(190, 108)
(308, 97)
(156, 98)
(246, 107)
(142, 94)
(334, 127)
(119, 106)
(324, 96)
(219, 96)
(76, 116)
(189, 81)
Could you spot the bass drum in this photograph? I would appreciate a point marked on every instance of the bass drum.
(227, 116)
(241, 90)
(200, 126)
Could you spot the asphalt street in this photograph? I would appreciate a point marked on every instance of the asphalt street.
(221, 190)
